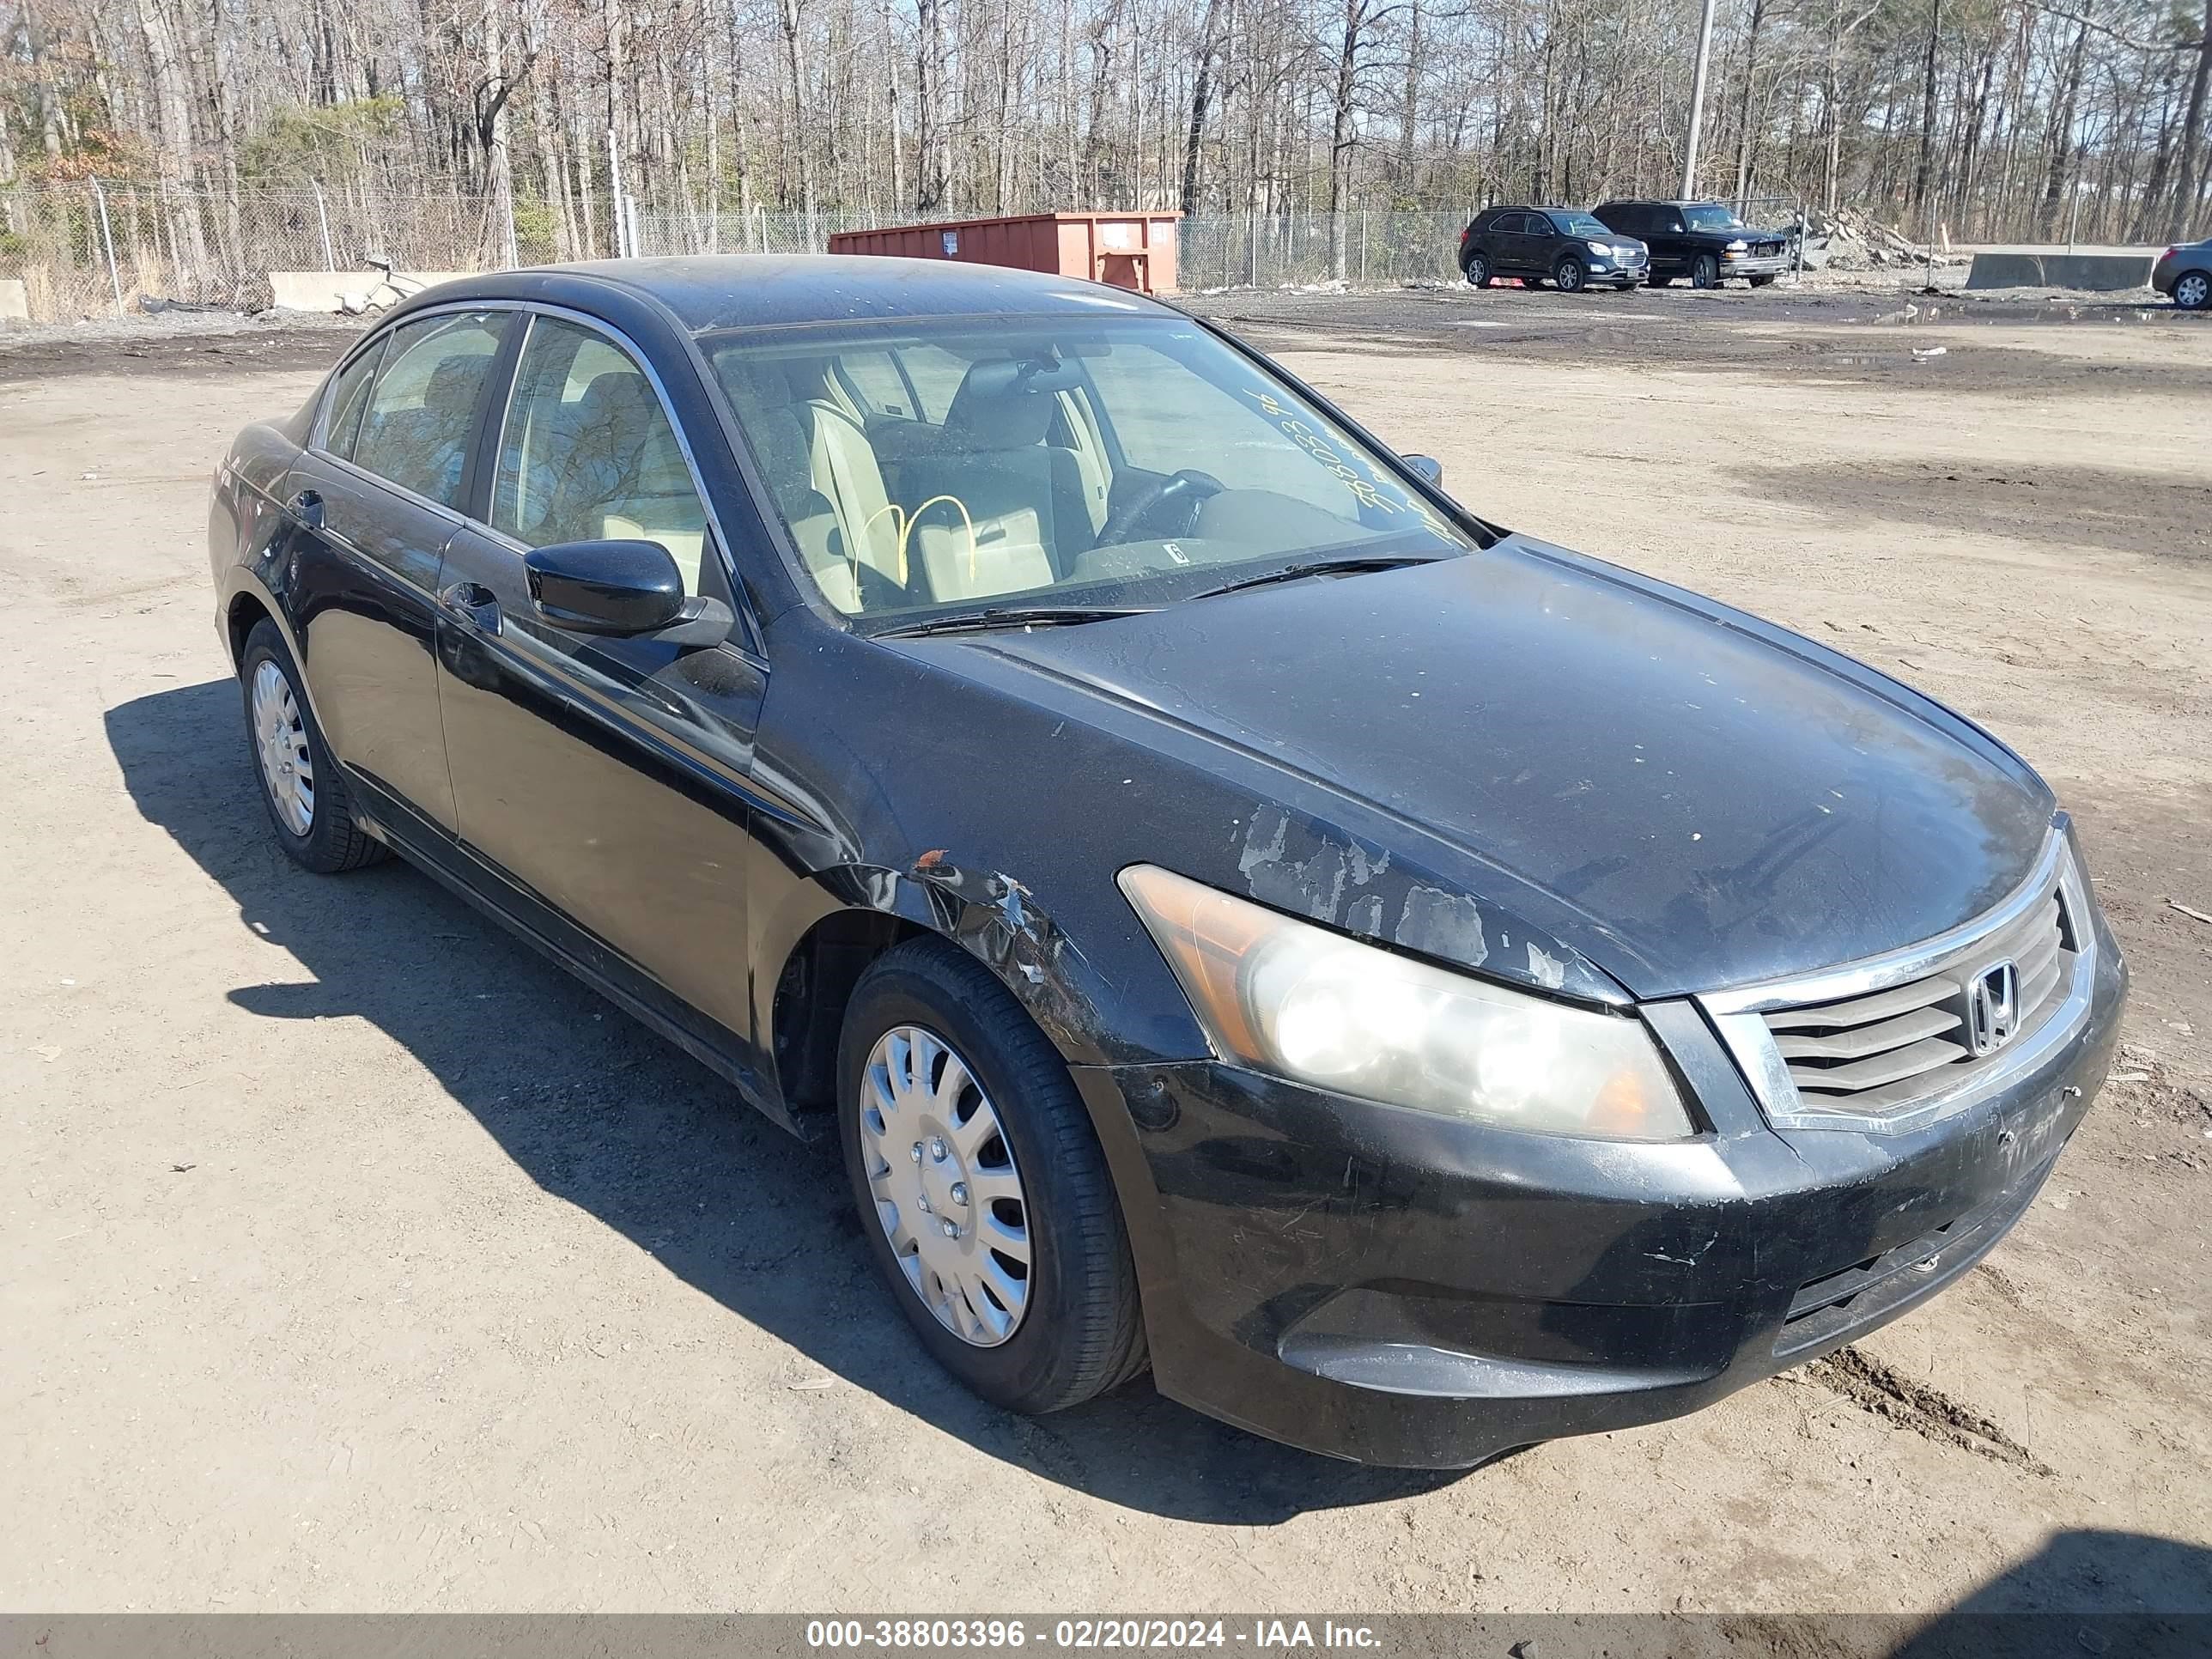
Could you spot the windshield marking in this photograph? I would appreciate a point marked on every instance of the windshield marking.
(1318, 446)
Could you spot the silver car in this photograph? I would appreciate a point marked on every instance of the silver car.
(2185, 273)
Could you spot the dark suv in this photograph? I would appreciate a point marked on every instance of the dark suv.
(1704, 241)
(1564, 244)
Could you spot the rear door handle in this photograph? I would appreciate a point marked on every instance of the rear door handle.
(474, 601)
(307, 508)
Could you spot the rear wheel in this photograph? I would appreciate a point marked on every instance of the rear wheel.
(300, 787)
(1705, 272)
(1761, 282)
(2192, 291)
(983, 1194)
(1478, 270)
(1569, 274)
(1657, 280)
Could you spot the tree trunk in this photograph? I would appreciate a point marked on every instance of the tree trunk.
(794, 59)
(1923, 172)
(2192, 131)
(172, 109)
(1744, 108)
(1339, 133)
(1202, 94)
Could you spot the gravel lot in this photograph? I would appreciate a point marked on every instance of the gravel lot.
(350, 1257)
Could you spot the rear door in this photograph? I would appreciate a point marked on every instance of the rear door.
(603, 778)
(1510, 241)
(375, 499)
(1668, 238)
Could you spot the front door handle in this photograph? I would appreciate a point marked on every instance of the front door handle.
(307, 508)
(473, 601)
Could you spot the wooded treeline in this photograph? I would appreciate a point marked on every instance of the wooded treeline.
(1995, 118)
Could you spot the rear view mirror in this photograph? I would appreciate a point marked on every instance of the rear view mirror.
(1431, 470)
(623, 588)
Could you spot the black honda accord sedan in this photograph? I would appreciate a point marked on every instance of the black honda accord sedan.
(1419, 990)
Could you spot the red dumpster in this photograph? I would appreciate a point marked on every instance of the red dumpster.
(1128, 250)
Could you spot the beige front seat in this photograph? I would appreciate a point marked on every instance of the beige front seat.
(843, 463)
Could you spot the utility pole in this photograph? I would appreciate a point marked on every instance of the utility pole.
(1697, 103)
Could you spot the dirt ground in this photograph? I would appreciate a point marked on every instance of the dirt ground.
(350, 1257)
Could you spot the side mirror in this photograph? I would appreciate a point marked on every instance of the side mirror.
(1431, 469)
(625, 588)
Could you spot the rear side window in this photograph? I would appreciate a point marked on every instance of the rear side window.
(421, 414)
(347, 397)
(874, 376)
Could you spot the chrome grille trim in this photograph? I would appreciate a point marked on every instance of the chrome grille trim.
(1895, 1020)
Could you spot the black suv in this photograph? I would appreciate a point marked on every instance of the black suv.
(1704, 241)
(1564, 244)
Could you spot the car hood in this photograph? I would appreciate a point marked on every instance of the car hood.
(1688, 797)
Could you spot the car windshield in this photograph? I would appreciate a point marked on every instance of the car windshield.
(1580, 224)
(1710, 216)
(952, 466)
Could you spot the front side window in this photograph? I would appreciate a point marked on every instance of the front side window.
(588, 454)
(421, 415)
(1068, 461)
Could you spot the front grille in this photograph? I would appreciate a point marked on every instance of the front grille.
(1872, 1054)
(1766, 249)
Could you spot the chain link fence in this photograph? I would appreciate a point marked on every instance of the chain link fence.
(102, 248)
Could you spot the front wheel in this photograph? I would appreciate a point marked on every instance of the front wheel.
(1477, 269)
(2193, 291)
(1705, 272)
(982, 1192)
(1569, 274)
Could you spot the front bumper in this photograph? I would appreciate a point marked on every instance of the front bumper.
(1771, 264)
(1398, 1288)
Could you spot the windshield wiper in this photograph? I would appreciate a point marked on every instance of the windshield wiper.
(1291, 572)
(1012, 616)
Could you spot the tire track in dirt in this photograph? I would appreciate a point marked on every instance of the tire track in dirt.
(1883, 1391)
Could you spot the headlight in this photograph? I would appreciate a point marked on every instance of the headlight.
(1738, 246)
(1318, 1008)
(1603, 250)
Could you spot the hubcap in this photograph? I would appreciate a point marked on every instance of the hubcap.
(2192, 290)
(947, 1194)
(280, 740)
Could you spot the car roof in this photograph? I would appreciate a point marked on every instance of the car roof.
(764, 290)
(767, 290)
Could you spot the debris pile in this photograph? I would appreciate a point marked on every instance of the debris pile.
(1847, 240)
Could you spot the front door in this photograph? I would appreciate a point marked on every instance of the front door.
(373, 506)
(602, 777)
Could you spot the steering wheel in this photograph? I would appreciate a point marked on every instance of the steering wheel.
(1176, 486)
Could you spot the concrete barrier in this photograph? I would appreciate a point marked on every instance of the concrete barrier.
(345, 290)
(15, 300)
(2093, 270)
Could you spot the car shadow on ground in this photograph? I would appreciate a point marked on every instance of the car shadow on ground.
(601, 1112)
(2084, 1592)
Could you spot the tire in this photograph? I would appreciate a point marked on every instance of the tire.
(1077, 1332)
(1477, 269)
(1705, 271)
(322, 835)
(1569, 275)
(2193, 290)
